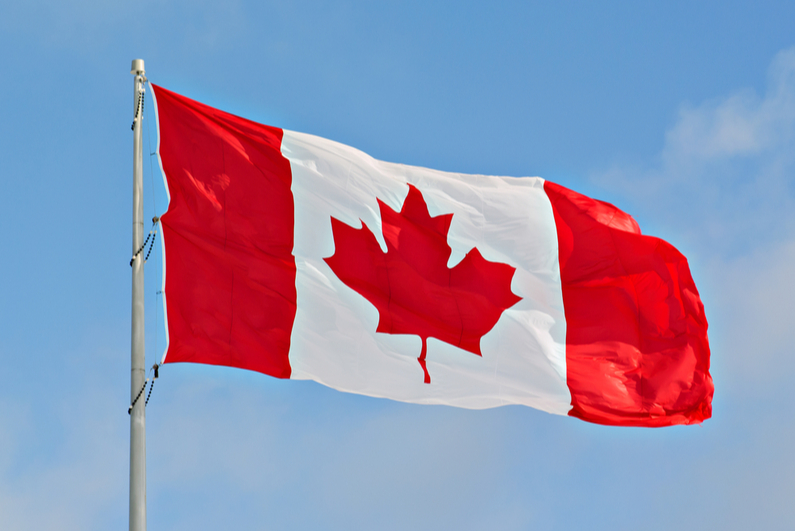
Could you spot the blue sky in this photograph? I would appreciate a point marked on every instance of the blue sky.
(681, 114)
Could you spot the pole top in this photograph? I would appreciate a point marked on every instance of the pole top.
(137, 67)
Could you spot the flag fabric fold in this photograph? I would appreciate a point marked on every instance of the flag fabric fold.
(303, 258)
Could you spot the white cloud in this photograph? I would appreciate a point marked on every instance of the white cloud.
(725, 179)
(742, 124)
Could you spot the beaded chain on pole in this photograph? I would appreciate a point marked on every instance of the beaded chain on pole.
(155, 368)
(152, 234)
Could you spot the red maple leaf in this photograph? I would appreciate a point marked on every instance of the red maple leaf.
(411, 286)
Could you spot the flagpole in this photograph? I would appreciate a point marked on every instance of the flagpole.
(137, 414)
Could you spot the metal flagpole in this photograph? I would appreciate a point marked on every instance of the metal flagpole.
(137, 381)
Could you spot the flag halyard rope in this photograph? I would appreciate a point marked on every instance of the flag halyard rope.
(139, 108)
(155, 368)
(152, 234)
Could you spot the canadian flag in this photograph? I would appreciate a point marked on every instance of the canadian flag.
(303, 258)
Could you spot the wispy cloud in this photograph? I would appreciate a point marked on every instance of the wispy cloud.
(725, 173)
(740, 125)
